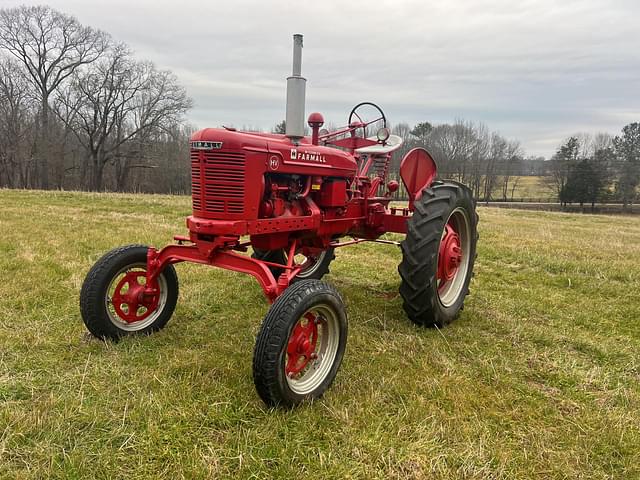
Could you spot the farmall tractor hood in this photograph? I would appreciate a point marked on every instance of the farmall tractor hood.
(281, 154)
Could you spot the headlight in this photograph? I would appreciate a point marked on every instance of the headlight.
(383, 134)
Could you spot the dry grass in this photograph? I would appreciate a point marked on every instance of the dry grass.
(539, 378)
(528, 187)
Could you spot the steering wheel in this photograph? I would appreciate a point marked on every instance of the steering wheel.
(325, 135)
(364, 124)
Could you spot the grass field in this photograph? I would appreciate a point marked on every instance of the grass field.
(539, 378)
(528, 187)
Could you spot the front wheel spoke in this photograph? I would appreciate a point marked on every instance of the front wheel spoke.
(307, 330)
(118, 299)
(311, 333)
(292, 348)
(294, 340)
(133, 309)
(293, 363)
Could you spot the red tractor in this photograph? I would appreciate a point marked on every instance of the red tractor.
(294, 199)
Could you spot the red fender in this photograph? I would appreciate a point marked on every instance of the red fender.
(418, 170)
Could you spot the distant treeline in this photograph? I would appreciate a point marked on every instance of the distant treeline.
(601, 168)
(586, 169)
(78, 111)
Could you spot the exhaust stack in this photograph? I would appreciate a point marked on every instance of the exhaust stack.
(295, 93)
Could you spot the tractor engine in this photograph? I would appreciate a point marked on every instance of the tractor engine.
(281, 196)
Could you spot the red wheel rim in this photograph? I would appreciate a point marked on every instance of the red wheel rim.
(129, 299)
(454, 257)
(301, 348)
(449, 255)
(311, 348)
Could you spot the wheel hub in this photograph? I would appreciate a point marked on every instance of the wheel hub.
(449, 255)
(301, 348)
(130, 301)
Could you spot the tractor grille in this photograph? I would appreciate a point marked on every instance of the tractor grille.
(218, 182)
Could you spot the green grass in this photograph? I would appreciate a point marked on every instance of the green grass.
(539, 377)
(528, 187)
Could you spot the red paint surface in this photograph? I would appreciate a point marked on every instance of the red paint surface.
(418, 170)
(302, 344)
(131, 294)
(276, 192)
(449, 255)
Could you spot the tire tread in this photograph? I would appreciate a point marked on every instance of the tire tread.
(273, 335)
(420, 247)
(93, 315)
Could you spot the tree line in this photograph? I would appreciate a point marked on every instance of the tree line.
(585, 169)
(79, 111)
(468, 152)
(598, 169)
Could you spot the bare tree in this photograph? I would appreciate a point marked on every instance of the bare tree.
(494, 160)
(16, 126)
(514, 185)
(114, 108)
(403, 130)
(159, 105)
(512, 158)
(168, 150)
(51, 46)
(480, 150)
(468, 152)
(601, 141)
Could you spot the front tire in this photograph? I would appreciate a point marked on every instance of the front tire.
(438, 254)
(300, 345)
(112, 303)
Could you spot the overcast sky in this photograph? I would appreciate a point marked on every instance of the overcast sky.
(535, 70)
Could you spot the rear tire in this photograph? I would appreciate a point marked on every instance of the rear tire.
(273, 256)
(433, 291)
(106, 309)
(317, 269)
(300, 344)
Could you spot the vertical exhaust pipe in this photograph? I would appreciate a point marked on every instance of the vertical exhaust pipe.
(296, 84)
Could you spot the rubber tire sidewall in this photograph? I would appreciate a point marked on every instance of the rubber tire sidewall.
(92, 304)
(278, 256)
(272, 339)
(320, 270)
(419, 266)
(273, 256)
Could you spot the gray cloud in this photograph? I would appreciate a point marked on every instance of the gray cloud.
(535, 70)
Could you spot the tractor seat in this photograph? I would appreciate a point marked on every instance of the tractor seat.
(393, 143)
